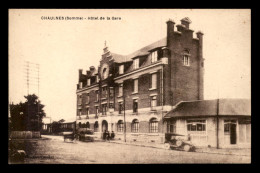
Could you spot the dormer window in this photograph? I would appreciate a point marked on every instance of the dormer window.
(136, 63)
(121, 69)
(154, 56)
(88, 82)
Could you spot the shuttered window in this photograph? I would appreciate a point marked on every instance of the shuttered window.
(121, 69)
(136, 63)
(135, 85)
(120, 90)
(154, 81)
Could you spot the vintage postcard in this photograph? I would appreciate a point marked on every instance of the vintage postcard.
(129, 86)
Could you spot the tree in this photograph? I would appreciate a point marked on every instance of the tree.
(28, 115)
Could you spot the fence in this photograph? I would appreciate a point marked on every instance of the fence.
(25, 134)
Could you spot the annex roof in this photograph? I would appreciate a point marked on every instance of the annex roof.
(226, 107)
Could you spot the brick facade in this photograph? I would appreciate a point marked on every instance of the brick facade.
(175, 82)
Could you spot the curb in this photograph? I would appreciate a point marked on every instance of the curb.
(141, 145)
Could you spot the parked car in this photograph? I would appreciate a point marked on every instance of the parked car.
(86, 135)
(68, 135)
(178, 142)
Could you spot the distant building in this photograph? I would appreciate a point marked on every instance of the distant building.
(69, 125)
(224, 123)
(144, 85)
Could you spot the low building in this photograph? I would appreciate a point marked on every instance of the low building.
(221, 123)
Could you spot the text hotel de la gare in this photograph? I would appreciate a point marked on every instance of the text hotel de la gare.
(78, 18)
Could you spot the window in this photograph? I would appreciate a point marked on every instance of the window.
(111, 105)
(153, 125)
(80, 112)
(80, 100)
(87, 99)
(87, 111)
(121, 69)
(120, 90)
(97, 111)
(196, 126)
(104, 109)
(88, 82)
(104, 91)
(135, 105)
(80, 85)
(120, 126)
(135, 126)
(120, 107)
(135, 85)
(186, 60)
(97, 79)
(154, 81)
(97, 95)
(227, 124)
(171, 127)
(111, 92)
(153, 102)
(80, 125)
(136, 63)
(96, 127)
(154, 56)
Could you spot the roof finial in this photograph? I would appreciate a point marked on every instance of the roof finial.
(105, 43)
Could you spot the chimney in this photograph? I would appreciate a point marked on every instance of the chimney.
(80, 73)
(170, 29)
(88, 72)
(92, 68)
(201, 66)
(186, 22)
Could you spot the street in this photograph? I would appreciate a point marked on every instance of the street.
(53, 150)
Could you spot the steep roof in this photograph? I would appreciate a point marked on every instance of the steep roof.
(141, 52)
(227, 107)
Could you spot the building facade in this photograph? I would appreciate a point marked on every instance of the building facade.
(219, 123)
(131, 94)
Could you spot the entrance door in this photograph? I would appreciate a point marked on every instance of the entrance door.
(233, 135)
(104, 125)
(230, 134)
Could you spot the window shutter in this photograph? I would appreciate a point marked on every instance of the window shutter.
(150, 81)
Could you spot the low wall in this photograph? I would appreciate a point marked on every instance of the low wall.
(25, 134)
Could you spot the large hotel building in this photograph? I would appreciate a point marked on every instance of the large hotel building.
(133, 93)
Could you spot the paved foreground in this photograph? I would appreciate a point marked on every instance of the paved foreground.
(53, 150)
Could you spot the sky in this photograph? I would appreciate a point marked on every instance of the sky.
(61, 47)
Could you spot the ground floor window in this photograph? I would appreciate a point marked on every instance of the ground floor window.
(153, 125)
(96, 127)
(244, 131)
(104, 109)
(135, 126)
(171, 127)
(196, 126)
(120, 126)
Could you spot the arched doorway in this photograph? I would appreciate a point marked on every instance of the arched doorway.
(104, 125)
(87, 125)
(96, 126)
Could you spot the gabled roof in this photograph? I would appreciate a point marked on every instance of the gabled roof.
(141, 52)
(227, 107)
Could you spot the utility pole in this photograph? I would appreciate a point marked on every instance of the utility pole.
(124, 120)
(33, 78)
